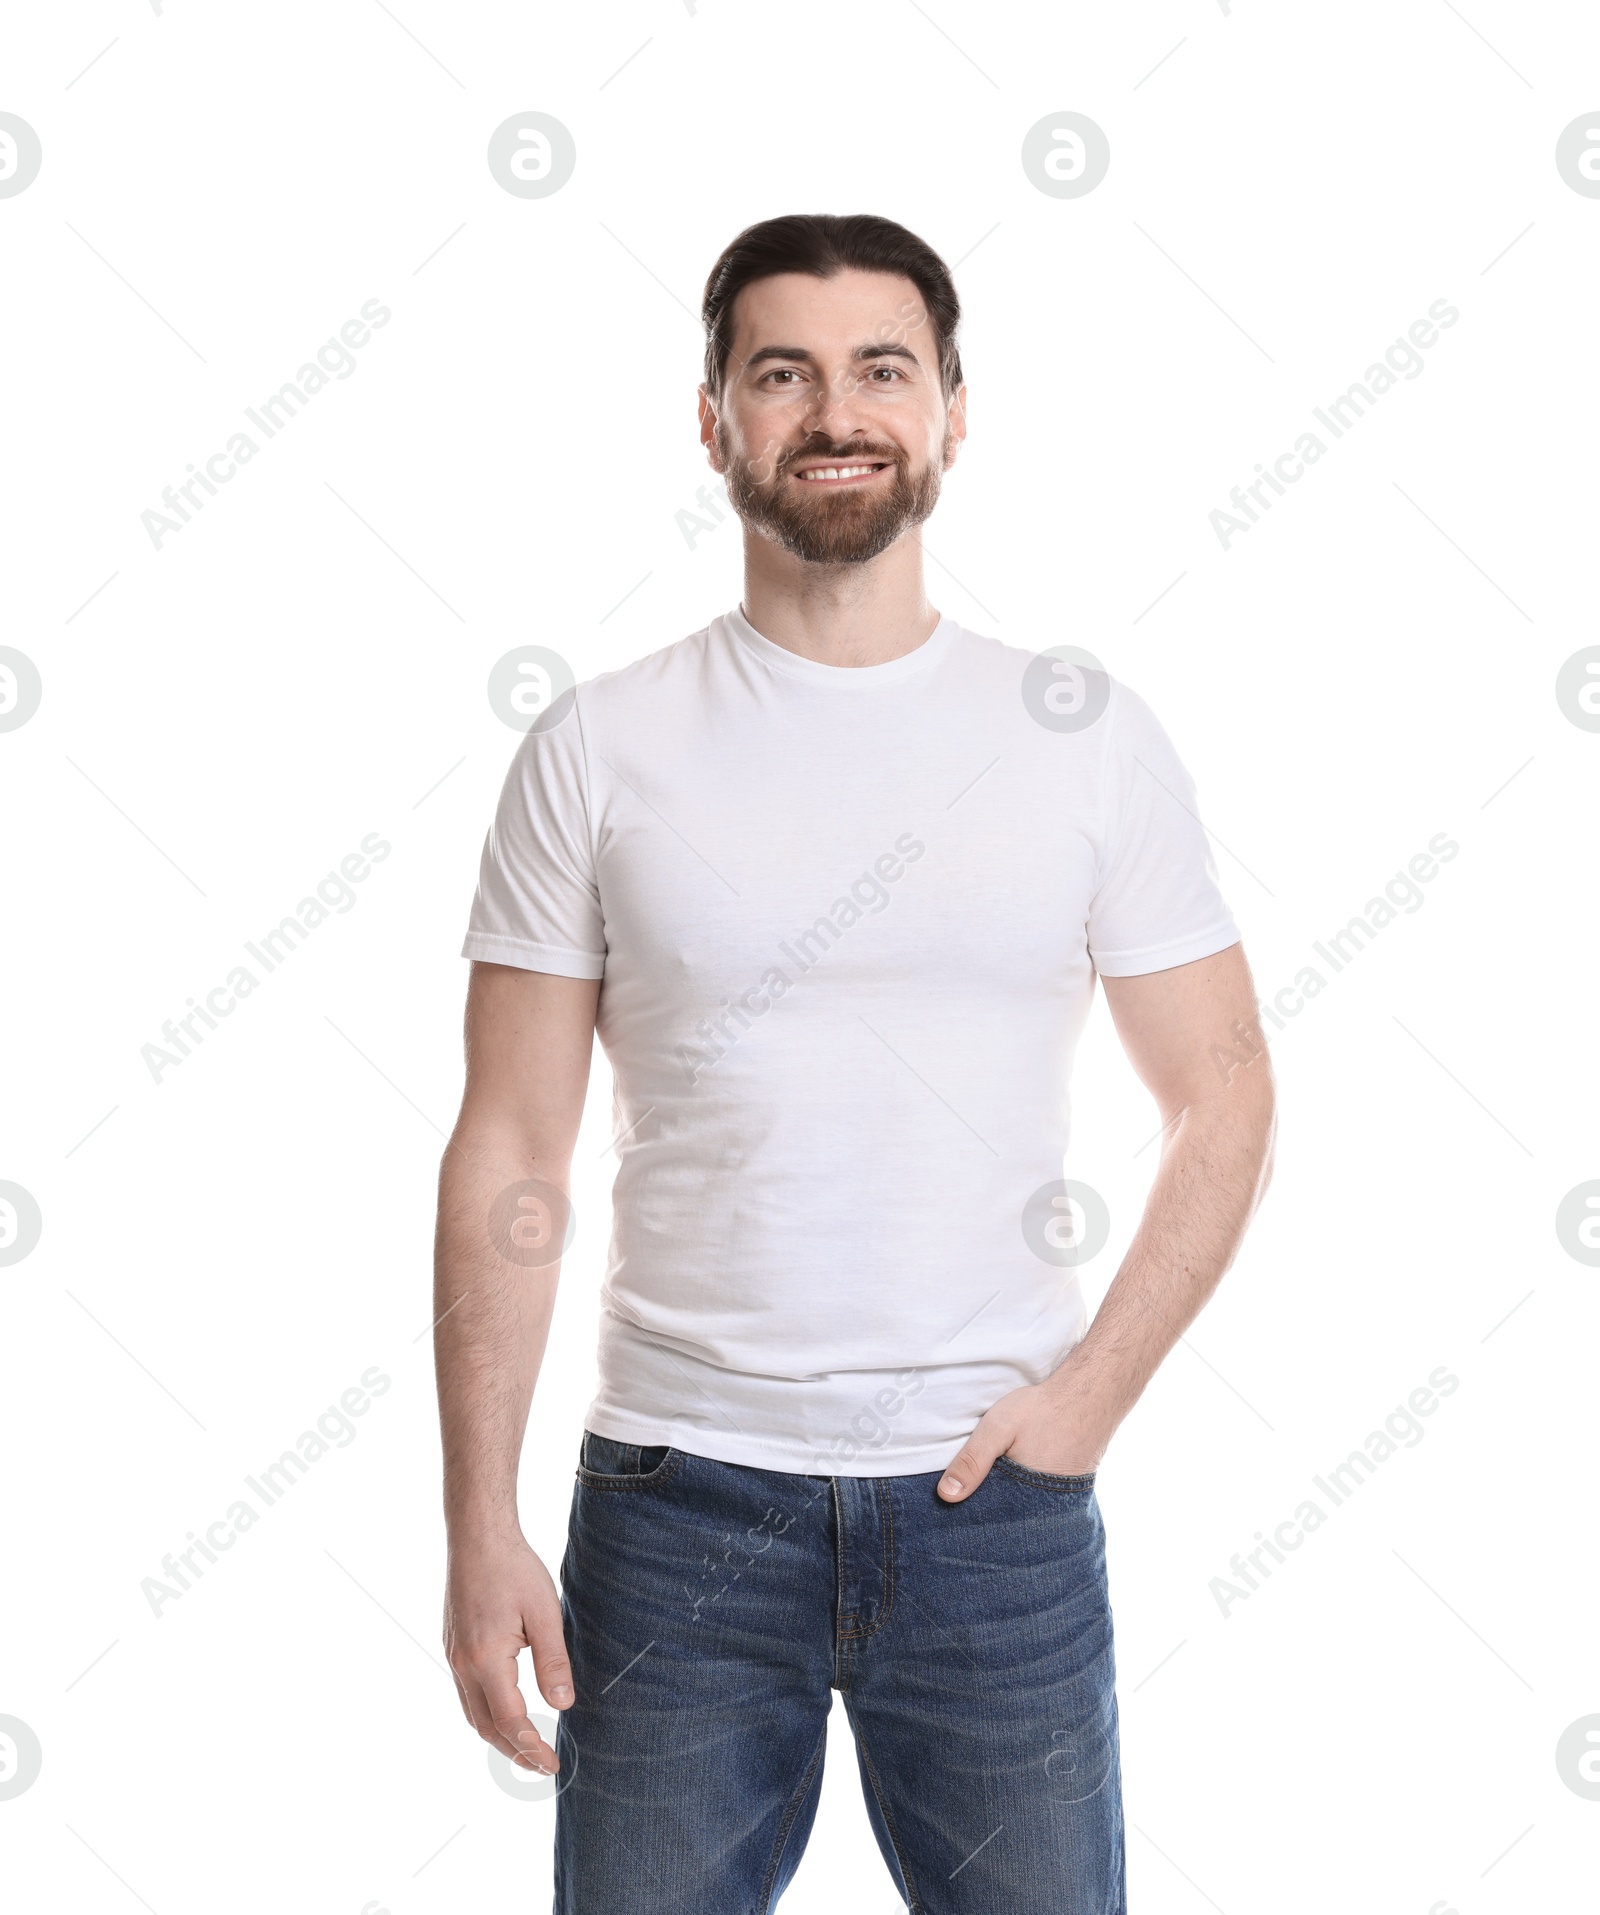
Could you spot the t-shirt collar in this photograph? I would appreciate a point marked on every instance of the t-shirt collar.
(843, 677)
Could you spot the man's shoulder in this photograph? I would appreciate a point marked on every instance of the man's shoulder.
(645, 679)
(978, 652)
(1061, 684)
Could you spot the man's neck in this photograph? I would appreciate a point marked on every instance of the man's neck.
(839, 614)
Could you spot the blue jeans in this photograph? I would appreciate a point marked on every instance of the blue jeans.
(711, 1610)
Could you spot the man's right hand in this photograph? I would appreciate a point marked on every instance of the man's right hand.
(500, 1599)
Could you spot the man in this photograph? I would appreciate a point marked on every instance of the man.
(833, 879)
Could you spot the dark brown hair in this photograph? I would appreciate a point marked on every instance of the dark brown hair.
(823, 244)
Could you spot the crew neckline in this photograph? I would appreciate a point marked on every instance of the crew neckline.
(844, 677)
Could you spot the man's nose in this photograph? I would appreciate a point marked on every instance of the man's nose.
(837, 409)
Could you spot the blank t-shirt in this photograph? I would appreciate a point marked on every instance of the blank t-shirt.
(848, 922)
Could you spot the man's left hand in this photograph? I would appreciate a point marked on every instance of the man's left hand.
(1040, 1426)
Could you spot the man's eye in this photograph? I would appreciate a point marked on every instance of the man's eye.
(783, 372)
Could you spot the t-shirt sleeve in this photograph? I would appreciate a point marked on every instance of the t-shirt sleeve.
(538, 901)
(1157, 902)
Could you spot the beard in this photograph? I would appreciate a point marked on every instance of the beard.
(827, 527)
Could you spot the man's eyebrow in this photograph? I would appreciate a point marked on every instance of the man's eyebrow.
(763, 353)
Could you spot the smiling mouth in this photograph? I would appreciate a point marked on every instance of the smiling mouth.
(853, 474)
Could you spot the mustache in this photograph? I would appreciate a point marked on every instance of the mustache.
(859, 451)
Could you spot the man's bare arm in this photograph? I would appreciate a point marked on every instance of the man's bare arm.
(529, 1038)
(1192, 1035)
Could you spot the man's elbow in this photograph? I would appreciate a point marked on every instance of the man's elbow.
(1263, 1125)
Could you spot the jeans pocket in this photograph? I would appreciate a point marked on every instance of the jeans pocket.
(605, 1463)
(1044, 1479)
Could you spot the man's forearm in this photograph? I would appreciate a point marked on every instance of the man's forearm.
(492, 1317)
(1215, 1166)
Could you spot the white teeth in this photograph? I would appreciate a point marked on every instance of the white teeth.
(837, 472)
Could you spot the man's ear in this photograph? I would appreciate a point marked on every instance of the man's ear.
(957, 421)
(708, 428)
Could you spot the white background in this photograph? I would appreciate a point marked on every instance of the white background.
(224, 1252)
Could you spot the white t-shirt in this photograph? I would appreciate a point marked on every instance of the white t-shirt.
(848, 922)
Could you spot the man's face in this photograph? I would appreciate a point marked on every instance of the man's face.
(832, 428)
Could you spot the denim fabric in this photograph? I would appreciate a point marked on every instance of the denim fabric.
(710, 1611)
